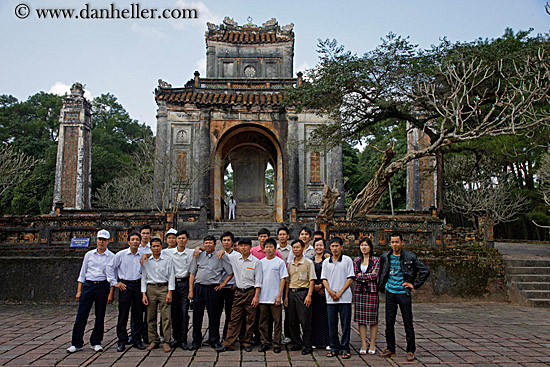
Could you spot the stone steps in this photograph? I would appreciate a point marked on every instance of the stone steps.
(528, 281)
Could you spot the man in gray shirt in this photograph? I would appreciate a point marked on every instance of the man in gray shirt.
(205, 280)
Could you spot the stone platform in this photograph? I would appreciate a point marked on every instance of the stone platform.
(465, 334)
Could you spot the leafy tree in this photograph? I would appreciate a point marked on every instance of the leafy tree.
(453, 93)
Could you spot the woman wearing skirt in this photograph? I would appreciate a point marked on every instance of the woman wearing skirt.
(366, 268)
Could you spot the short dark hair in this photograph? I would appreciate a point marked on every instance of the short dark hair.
(371, 247)
(145, 226)
(227, 234)
(264, 231)
(237, 240)
(321, 233)
(209, 238)
(271, 241)
(397, 234)
(338, 240)
(320, 239)
(134, 234)
(245, 241)
(182, 231)
(156, 239)
(298, 241)
(283, 228)
(307, 229)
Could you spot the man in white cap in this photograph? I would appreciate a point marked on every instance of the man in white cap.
(171, 238)
(93, 287)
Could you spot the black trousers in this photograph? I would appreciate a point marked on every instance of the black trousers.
(299, 315)
(206, 296)
(403, 301)
(180, 311)
(92, 294)
(227, 295)
(129, 300)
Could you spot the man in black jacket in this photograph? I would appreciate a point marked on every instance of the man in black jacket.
(398, 277)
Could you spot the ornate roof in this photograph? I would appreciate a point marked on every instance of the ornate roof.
(229, 31)
(225, 92)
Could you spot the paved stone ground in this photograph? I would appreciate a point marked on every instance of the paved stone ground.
(465, 334)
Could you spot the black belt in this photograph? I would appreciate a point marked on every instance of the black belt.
(97, 281)
(130, 281)
(208, 285)
(158, 284)
(298, 289)
(244, 290)
(186, 279)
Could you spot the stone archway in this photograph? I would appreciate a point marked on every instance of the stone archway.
(249, 148)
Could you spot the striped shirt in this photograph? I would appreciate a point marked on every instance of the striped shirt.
(395, 280)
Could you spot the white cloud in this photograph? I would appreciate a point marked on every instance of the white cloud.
(303, 67)
(148, 31)
(200, 66)
(203, 12)
(61, 89)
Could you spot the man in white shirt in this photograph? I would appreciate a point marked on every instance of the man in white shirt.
(157, 285)
(145, 249)
(247, 271)
(337, 276)
(124, 273)
(93, 287)
(274, 274)
(181, 260)
(227, 293)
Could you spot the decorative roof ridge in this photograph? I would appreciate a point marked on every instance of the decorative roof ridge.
(229, 26)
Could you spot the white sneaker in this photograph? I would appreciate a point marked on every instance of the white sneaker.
(97, 348)
(328, 347)
(286, 340)
(73, 349)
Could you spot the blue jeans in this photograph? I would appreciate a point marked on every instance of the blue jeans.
(344, 309)
(91, 293)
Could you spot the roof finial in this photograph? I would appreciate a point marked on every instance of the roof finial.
(249, 19)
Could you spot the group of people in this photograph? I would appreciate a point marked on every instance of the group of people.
(252, 285)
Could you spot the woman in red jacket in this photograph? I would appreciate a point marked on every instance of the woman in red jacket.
(367, 268)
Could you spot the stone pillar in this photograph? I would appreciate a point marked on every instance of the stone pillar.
(337, 169)
(74, 152)
(293, 163)
(163, 147)
(204, 157)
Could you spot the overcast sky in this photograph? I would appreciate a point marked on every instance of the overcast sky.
(126, 57)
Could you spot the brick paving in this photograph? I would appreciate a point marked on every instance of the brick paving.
(464, 334)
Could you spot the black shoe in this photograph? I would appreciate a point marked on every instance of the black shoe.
(295, 348)
(175, 344)
(139, 345)
(129, 342)
(121, 348)
(184, 346)
(307, 351)
(193, 346)
(277, 350)
(247, 348)
(264, 348)
(222, 348)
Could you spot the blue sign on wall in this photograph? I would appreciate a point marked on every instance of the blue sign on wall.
(80, 242)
